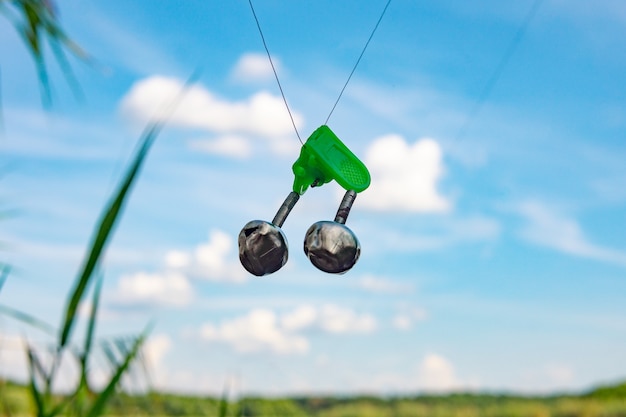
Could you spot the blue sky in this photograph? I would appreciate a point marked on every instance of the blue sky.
(493, 257)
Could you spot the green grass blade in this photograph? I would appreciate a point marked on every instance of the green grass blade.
(84, 358)
(109, 218)
(66, 68)
(35, 14)
(100, 402)
(121, 344)
(34, 366)
(42, 400)
(37, 20)
(103, 232)
(4, 274)
(92, 318)
(109, 354)
(28, 319)
(58, 409)
(44, 82)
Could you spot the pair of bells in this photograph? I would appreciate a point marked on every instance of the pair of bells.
(330, 245)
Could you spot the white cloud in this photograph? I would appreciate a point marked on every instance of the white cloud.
(233, 146)
(12, 357)
(214, 260)
(217, 259)
(302, 317)
(437, 373)
(253, 67)
(265, 330)
(406, 319)
(328, 318)
(383, 285)
(335, 319)
(154, 350)
(262, 114)
(177, 259)
(433, 373)
(546, 227)
(402, 322)
(404, 176)
(257, 331)
(211, 254)
(168, 288)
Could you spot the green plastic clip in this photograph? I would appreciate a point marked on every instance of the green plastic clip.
(324, 158)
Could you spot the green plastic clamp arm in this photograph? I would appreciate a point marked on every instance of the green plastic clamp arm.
(324, 158)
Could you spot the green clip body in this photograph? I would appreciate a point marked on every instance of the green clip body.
(324, 158)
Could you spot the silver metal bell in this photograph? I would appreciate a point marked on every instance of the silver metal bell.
(262, 245)
(331, 246)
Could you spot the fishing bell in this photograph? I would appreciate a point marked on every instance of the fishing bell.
(331, 246)
(262, 245)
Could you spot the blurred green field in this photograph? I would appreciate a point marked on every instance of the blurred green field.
(601, 402)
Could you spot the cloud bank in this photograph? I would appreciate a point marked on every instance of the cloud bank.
(214, 260)
(405, 176)
(265, 330)
(262, 116)
(547, 227)
(255, 67)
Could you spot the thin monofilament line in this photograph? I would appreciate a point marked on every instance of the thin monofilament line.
(497, 73)
(358, 60)
(280, 87)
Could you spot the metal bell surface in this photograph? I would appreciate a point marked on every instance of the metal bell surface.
(262, 247)
(332, 247)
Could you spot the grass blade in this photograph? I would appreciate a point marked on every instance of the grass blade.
(104, 231)
(42, 400)
(28, 319)
(92, 319)
(34, 366)
(109, 354)
(66, 68)
(35, 14)
(109, 218)
(84, 358)
(39, 22)
(4, 273)
(58, 409)
(100, 402)
(121, 344)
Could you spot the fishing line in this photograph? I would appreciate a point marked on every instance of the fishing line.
(258, 25)
(497, 73)
(358, 60)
